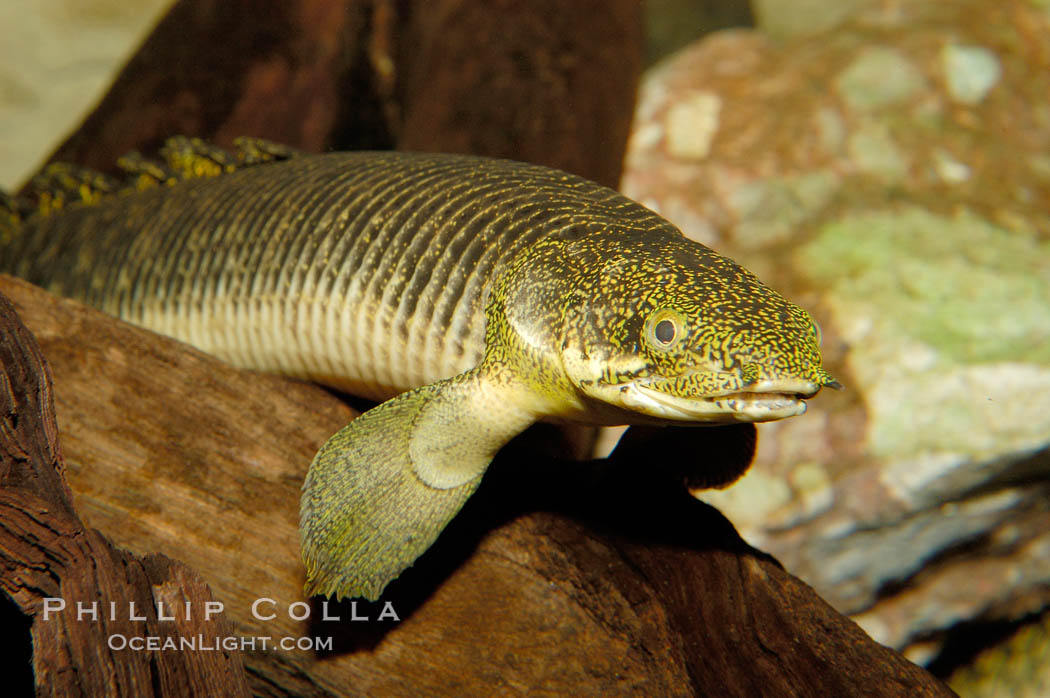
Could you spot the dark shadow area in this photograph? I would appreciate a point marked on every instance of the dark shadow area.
(976, 547)
(1030, 470)
(637, 497)
(965, 641)
(17, 649)
(674, 24)
(360, 122)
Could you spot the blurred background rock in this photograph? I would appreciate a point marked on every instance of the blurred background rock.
(56, 59)
(885, 164)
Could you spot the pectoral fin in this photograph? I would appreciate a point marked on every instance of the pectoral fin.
(380, 491)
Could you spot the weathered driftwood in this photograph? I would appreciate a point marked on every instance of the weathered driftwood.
(557, 577)
(49, 560)
(544, 81)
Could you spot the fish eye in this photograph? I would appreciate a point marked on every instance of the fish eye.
(664, 331)
(664, 328)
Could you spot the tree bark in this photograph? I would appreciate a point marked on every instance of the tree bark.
(594, 578)
(545, 81)
(49, 561)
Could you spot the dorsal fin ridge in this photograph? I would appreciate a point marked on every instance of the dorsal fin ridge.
(59, 185)
(11, 214)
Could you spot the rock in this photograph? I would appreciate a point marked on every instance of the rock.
(892, 176)
(796, 17)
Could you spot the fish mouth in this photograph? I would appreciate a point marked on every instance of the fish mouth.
(762, 402)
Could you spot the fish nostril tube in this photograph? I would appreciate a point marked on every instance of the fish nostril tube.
(829, 382)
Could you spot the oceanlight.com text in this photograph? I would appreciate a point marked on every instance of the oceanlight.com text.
(228, 643)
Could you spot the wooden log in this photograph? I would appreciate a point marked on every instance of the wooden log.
(49, 561)
(219, 69)
(545, 81)
(594, 578)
